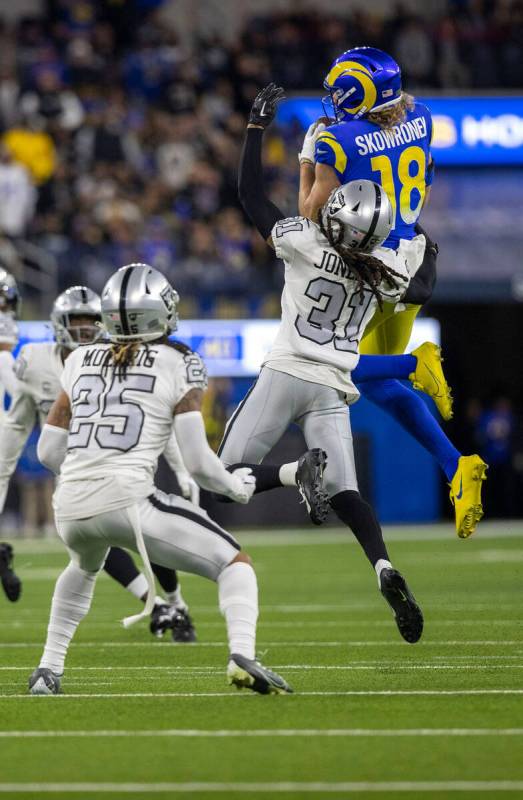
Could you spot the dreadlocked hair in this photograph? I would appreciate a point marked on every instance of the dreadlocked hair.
(368, 271)
(393, 115)
(121, 356)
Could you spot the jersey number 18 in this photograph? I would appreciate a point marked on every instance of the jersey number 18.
(410, 157)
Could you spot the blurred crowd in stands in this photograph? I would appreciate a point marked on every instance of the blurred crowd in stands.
(120, 141)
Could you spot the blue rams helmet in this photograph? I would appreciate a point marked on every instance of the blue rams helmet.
(362, 80)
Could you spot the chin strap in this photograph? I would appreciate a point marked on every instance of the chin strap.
(134, 519)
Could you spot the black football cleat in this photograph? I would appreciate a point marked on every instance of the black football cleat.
(169, 618)
(11, 583)
(183, 627)
(309, 479)
(44, 681)
(246, 674)
(407, 613)
(161, 619)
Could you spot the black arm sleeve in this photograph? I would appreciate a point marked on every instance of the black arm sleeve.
(251, 191)
(422, 285)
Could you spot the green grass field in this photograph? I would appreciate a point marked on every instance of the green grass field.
(371, 714)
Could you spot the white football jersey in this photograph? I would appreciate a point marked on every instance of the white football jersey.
(38, 368)
(8, 335)
(323, 316)
(120, 427)
(8, 328)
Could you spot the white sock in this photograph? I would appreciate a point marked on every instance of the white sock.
(159, 601)
(176, 599)
(380, 564)
(138, 586)
(287, 473)
(71, 602)
(238, 598)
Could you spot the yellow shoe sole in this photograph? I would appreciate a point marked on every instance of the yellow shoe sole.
(475, 513)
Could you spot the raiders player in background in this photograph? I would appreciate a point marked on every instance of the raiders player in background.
(332, 289)
(38, 368)
(9, 309)
(105, 494)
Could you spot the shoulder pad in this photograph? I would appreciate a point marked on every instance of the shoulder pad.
(180, 347)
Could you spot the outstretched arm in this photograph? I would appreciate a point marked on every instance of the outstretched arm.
(251, 190)
(202, 463)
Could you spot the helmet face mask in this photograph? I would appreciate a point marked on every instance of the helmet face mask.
(76, 317)
(139, 305)
(9, 296)
(358, 215)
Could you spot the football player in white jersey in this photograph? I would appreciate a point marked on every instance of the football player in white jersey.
(9, 308)
(333, 285)
(119, 404)
(75, 317)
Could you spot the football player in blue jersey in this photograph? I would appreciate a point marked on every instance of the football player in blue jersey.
(382, 134)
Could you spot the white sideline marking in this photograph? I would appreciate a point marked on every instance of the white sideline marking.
(280, 732)
(283, 786)
(232, 694)
(263, 643)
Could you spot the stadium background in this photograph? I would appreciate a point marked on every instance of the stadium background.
(122, 123)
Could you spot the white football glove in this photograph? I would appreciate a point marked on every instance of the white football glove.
(188, 487)
(309, 143)
(244, 485)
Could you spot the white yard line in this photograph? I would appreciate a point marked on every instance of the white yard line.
(212, 672)
(262, 733)
(345, 643)
(232, 694)
(204, 668)
(355, 787)
(321, 608)
(293, 625)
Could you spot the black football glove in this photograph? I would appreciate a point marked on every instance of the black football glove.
(263, 109)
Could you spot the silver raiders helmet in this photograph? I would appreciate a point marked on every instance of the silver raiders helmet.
(9, 294)
(358, 215)
(75, 315)
(138, 304)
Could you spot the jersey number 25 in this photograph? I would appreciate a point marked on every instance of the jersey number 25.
(124, 418)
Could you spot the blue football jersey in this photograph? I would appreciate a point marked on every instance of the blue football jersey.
(397, 158)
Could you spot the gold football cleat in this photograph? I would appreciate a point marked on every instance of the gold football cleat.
(429, 378)
(465, 494)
